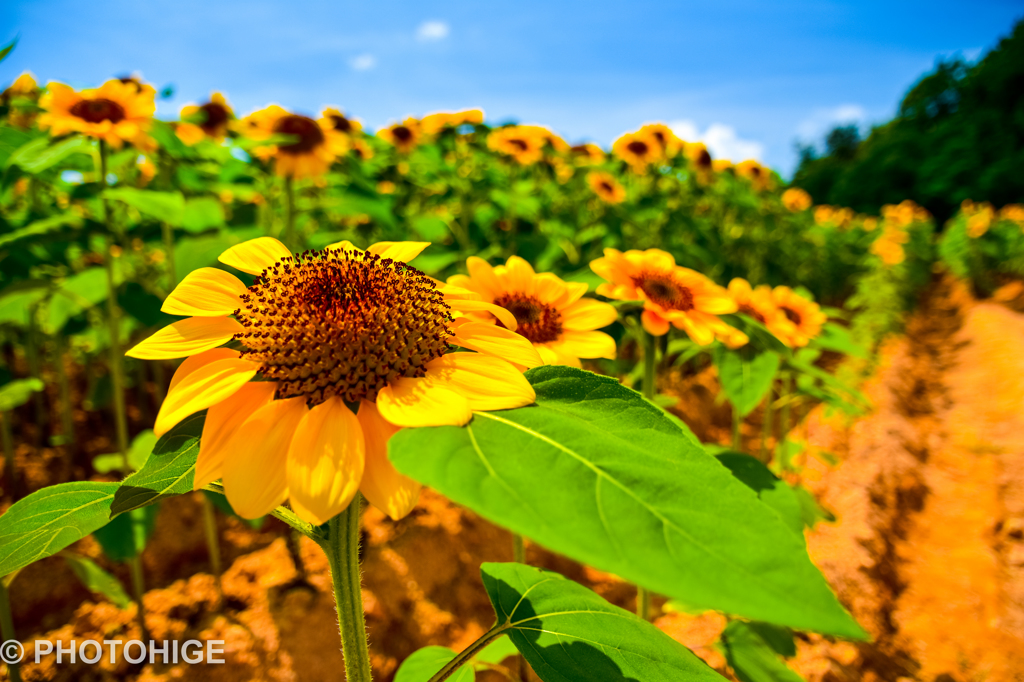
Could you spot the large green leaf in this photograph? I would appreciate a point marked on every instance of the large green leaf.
(48, 520)
(97, 580)
(746, 378)
(42, 227)
(170, 469)
(126, 535)
(595, 472)
(202, 213)
(568, 633)
(18, 392)
(752, 658)
(38, 155)
(772, 490)
(423, 663)
(168, 207)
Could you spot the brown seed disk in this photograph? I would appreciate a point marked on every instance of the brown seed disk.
(664, 290)
(537, 321)
(345, 323)
(98, 110)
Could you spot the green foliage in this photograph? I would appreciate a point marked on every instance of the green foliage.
(423, 663)
(770, 489)
(18, 392)
(168, 471)
(746, 376)
(96, 579)
(752, 657)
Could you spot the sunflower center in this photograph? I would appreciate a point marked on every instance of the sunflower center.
(665, 291)
(341, 123)
(98, 110)
(752, 312)
(538, 322)
(520, 145)
(704, 159)
(607, 187)
(302, 127)
(215, 116)
(401, 133)
(792, 315)
(342, 323)
(637, 147)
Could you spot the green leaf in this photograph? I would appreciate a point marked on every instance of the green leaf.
(425, 662)
(595, 472)
(496, 652)
(752, 658)
(39, 155)
(746, 380)
(169, 471)
(836, 338)
(202, 213)
(780, 639)
(7, 49)
(168, 207)
(42, 227)
(772, 490)
(125, 537)
(568, 633)
(18, 392)
(97, 580)
(48, 520)
(16, 301)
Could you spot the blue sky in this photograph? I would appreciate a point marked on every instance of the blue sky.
(750, 77)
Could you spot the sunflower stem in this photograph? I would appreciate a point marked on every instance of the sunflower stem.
(518, 549)
(8, 440)
(766, 426)
(736, 421)
(468, 653)
(288, 237)
(643, 597)
(172, 273)
(342, 548)
(138, 592)
(212, 540)
(787, 385)
(7, 628)
(67, 418)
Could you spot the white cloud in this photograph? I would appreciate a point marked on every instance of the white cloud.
(363, 62)
(821, 121)
(721, 140)
(433, 30)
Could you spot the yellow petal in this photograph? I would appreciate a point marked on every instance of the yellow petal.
(255, 480)
(586, 314)
(186, 337)
(344, 245)
(496, 341)
(487, 383)
(654, 323)
(206, 292)
(393, 493)
(325, 462)
(222, 421)
(518, 275)
(471, 306)
(584, 344)
(203, 388)
(483, 277)
(194, 362)
(400, 251)
(423, 402)
(256, 255)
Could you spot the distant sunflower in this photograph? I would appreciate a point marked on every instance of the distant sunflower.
(669, 141)
(431, 124)
(801, 318)
(796, 200)
(523, 143)
(719, 165)
(19, 100)
(315, 147)
(700, 160)
(362, 149)
(551, 313)
(638, 149)
(759, 176)
(337, 120)
(755, 302)
(405, 136)
(115, 112)
(586, 154)
(208, 120)
(672, 295)
(606, 186)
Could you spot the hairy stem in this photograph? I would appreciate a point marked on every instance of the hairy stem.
(342, 548)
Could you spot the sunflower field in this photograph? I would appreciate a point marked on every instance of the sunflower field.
(268, 378)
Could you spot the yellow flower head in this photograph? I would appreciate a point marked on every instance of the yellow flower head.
(337, 120)
(550, 313)
(404, 136)
(755, 302)
(147, 170)
(326, 330)
(1013, 212)
(796, 199)
(700, 159)
(23, 90)
(431, 124)
(719, 165)
(890, 251)
(672, 295)
(668, 141)
(639, 150)
(801, 319)
(208, 120)
(869, 224)
(606, 186)
(115, 112)
(980, 218)
(823, 214)
(586, 154)
(759, 176)
(314, 147)
(523, 143)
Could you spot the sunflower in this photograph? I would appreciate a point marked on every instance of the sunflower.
(796, 200)
(759, 176)
(337, 120)
(639, 150)
(524, 143)
(801, 319)
(671, 294)
(115, 112)
(431, 124)
(404, 136)
(586, 154)
(208, 120)
(315, 147)
(606, 186)
(670, 143)
(720, 165)
(550, 313)
(755, 302)
(19, 100)
(347, 346)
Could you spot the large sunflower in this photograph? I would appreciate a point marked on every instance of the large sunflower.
(208, 120)
(115, 112)
(639, 150)
(405, 136)
(346, 347)
(606, 186)
(550, 313)
(804, 318)
(315, 146)
(671, 294)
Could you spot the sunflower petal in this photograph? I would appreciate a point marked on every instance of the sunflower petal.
(222, 421)
(400, 251)
(393, 493)
(206, 292)
(470, 306)
(256, 480)
(518, 275)
(586, 314)
(498, 341)
(186, 337)
(584, 344)
(255, 255)
(483, 277)
(325, 462)
(203, 388)
(654, 323)
(194, 362)
(487, 383)
(423, 402)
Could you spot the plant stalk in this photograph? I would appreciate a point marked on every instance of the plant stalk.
(787, 386)
(342, 548)
(518, 549)
(467, 653)
(766, 426)
(67, 418)
(288, 237)
(212, 540)
(172, 273)
(7, 628)
(8, 440)
(138, 592)
(736, 421)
